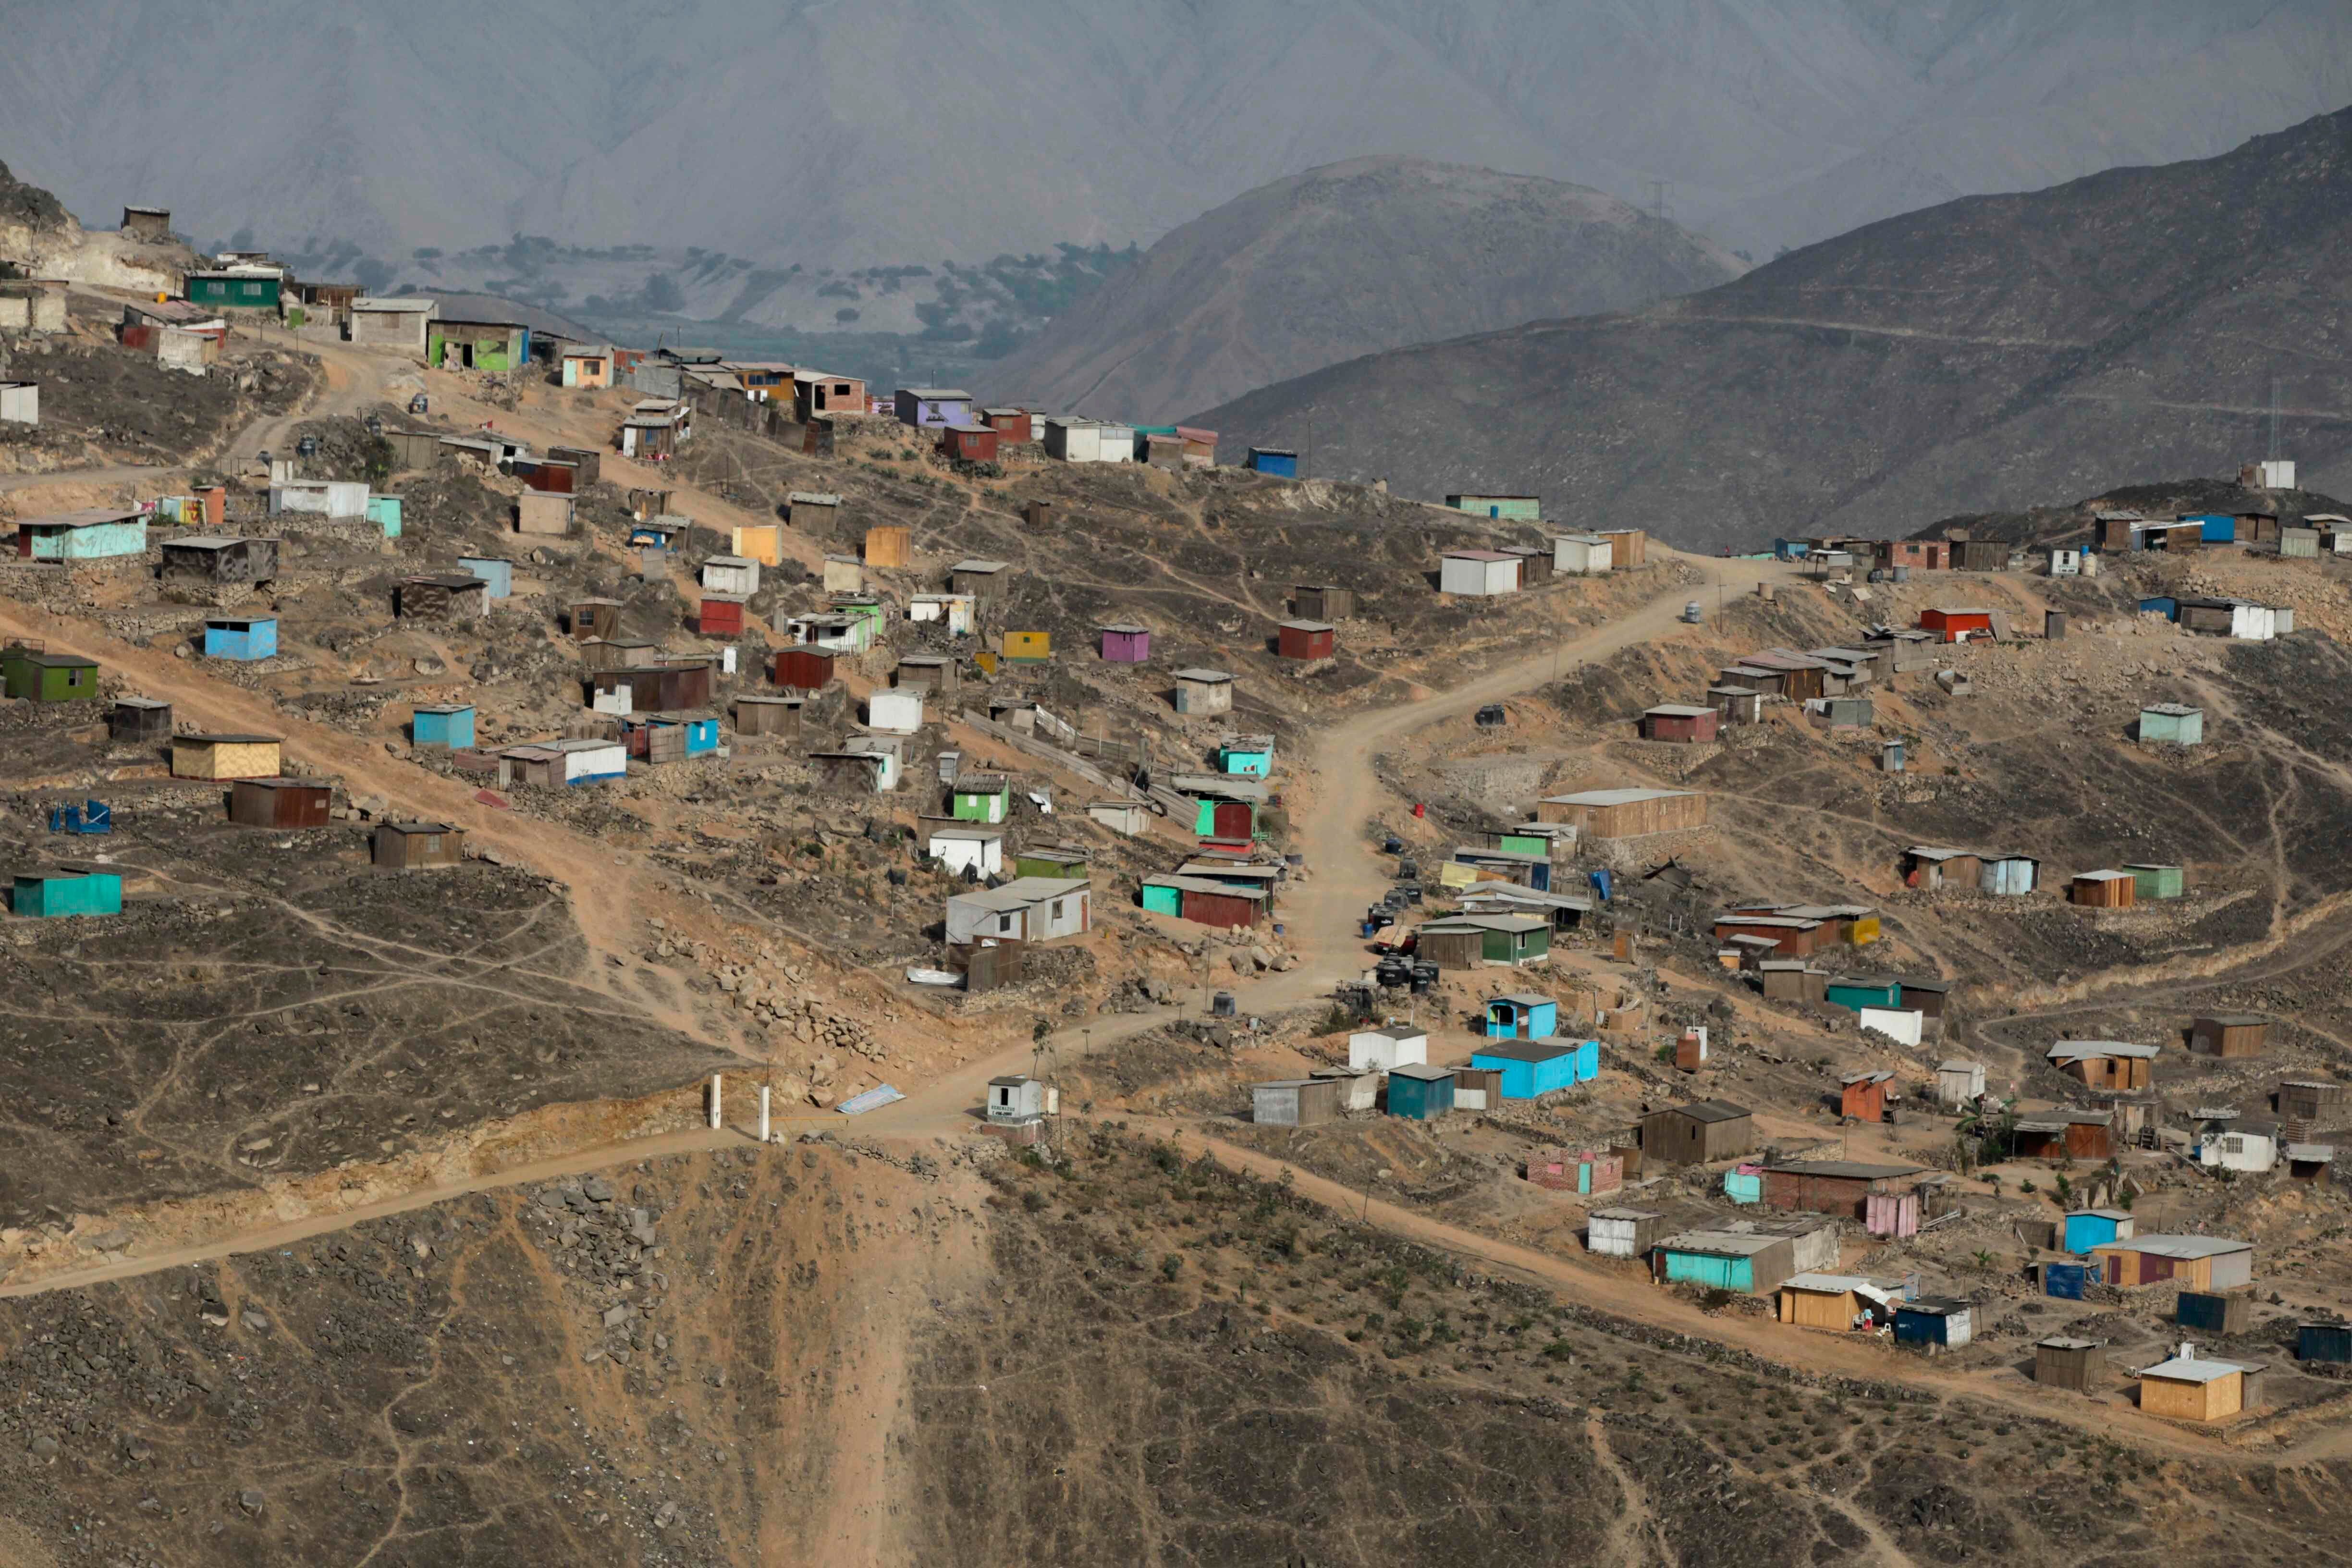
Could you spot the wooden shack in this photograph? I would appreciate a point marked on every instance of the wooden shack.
(891, 546)
(930, 673)
(599, 619)
(2102, 889)
(418, 846)
(659, 688)
(1323, 601)
(2063, 1362)
(224, 757)
(2230, 1035)
(1698, 1132)
(1626, 813)
(1295, 1102)
(768, 715)
(279, 802)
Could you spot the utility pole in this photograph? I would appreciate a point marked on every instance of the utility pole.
(2274, 413)
(1661, 207)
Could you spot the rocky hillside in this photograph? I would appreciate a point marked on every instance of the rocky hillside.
(908, 141)
(1348, 260)
(38, 239)
(1980, 356)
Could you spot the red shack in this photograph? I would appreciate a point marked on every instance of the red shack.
(804, 668)
(720, 615)
(1863, 1095)
(968, 443)
(1305, 639)
(1679, 721)
(1956, 626)
(1009, 423)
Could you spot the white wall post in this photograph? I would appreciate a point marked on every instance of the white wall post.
(763, 1113)
(714, 1102)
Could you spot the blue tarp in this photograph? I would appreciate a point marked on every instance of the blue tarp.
(874, 1098)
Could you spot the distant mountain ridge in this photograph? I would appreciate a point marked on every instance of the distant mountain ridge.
(1343, 260)
(804, 132)
(1980, 356)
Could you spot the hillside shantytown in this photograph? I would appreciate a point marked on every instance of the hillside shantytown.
(666, 956)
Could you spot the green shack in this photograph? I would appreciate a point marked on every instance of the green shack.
(2150, 882)
(68, 890)
(979, 797)
(38, 677)
(1470, 942)
(1419, 1092)
(385, 513)
(1504, 509)
(1060, 860)
(1225, 808)
(1855, 992)
(476, 345)
(236, 289)
(2174, 723)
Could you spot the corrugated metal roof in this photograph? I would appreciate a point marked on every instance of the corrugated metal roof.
(1720, 1243)
(2201, 1370)
(1849, 1170)
(1615, 796)
(1548, 1049)
(2092, 1050)
(1712, 1110)
(2180, 1247)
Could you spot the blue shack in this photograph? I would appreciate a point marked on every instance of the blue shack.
(495, 570)
(1249, 756)
(2324, 1342)
(2066, 1279)
(1933, 1320)
(2220, 527)
(1791, 549)
(1744, 1183)
(240, 636)
(2089, 1228)
(385, 513)
(1533, 1068)
(1282, 463)
(442, 724)
(67, 890)
(701, 736)
(1420, 1091)
(2163, 604)
(1522, 1016)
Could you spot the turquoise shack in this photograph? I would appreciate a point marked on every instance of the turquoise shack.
(495, 570)
(2088, 1228)
(240, 636)
(1535, 1068)
(1744, 1183)
(1419, 1092)
(1855, 992)
(385, 513)
(68, 890)
(1249, 756)
(1522, 1016)
(442, 724)
(93, 533)
(1748, 1264)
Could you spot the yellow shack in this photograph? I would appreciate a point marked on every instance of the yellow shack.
(2190, 1388)
(1842, 1303)
(762, 543)
(1028, 647)
(224, 757)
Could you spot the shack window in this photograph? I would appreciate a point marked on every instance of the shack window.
(1004, 923)
(2233, 1145)
(433, 844)
(1058, 908)
(250, 291)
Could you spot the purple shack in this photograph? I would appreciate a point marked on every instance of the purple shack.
(933, 408)
(1125, 645)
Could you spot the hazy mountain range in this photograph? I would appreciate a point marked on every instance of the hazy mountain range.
(1989, 354)
(1340, 261)
(895, 132)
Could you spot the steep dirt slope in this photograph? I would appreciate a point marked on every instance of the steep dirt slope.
(1346, 260)
(1979, 356)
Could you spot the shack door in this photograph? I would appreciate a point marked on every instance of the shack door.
(24, 542)
(1230, 820)
(2154, 1267)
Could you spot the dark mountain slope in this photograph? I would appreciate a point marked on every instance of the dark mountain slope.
(1978, 356)
(1346, 260)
